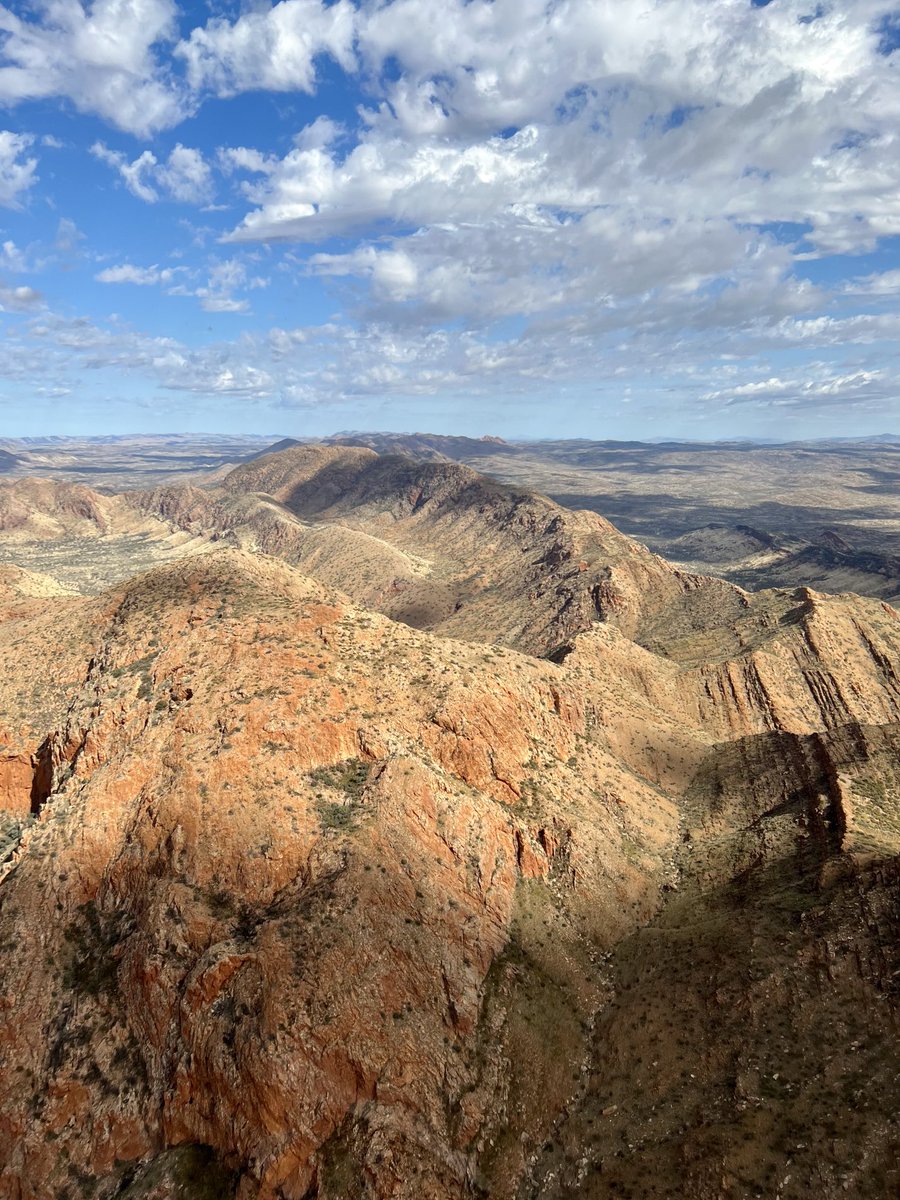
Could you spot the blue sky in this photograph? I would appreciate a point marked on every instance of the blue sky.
(598, 218)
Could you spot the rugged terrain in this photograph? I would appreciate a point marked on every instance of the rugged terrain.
(821, 513)
(399, 833)
(825, 514)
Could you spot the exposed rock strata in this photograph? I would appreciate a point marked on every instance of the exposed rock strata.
(315, 904)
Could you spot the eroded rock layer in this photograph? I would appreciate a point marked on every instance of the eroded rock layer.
(298, 901)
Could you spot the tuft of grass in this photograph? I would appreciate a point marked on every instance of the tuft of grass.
(348, 778)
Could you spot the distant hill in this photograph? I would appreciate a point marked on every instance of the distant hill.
(877, 439)
(548, 573)
(283, 444)
(426, 446)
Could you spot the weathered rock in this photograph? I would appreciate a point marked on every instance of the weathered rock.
(316, 904)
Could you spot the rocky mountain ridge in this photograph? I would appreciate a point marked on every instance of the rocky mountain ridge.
(439, 546)
(298, 900)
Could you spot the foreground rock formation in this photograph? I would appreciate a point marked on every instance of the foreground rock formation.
(582, 880)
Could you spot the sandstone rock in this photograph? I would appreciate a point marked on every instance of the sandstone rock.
(319, 904)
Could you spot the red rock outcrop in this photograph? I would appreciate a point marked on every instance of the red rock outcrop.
(320, 905)
(260, 790)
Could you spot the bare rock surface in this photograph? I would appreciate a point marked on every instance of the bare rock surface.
(587, 887)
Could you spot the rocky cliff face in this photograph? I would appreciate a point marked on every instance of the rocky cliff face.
(307, 903)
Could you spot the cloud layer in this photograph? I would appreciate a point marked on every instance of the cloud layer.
(513, 194)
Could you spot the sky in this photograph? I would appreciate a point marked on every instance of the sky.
(574, 218)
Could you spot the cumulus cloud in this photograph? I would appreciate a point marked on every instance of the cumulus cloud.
(605, 270)
(222, 279)
(740, 110)
(59, 347)
(274, 49)
(185, 176)
(17, 172)
(884, 283)
(858, 389)
(314, 192)
(625, 180)
(115, 344)
(142, 276)
(101, 57)
(13, 258)
(340, 364)
(857, 329)
(206, 375)
(551, 155)
(532, 192)
(19, 299)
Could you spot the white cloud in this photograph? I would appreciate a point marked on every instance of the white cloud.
(224, 278)
(19, 299)
(861, 388)
(142, 276)
(68, 236)
(858, 329)
(185, 176)
(884, 283)
(243, 158)
(202, 374)
(674, 112)
(216, 294)
(66, 346)
(13, 258)
(283, 342)
(17, 173)
(313, 193)
(271, 48)
(538, 194)
(131, 172)
(101, 58)
(619, 181)
(36, 257)
(604, 272)
(117, 344)
(342, 365)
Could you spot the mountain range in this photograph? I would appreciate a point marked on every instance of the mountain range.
(374, 828)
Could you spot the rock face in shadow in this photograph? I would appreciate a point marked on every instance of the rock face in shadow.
(315, 904)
